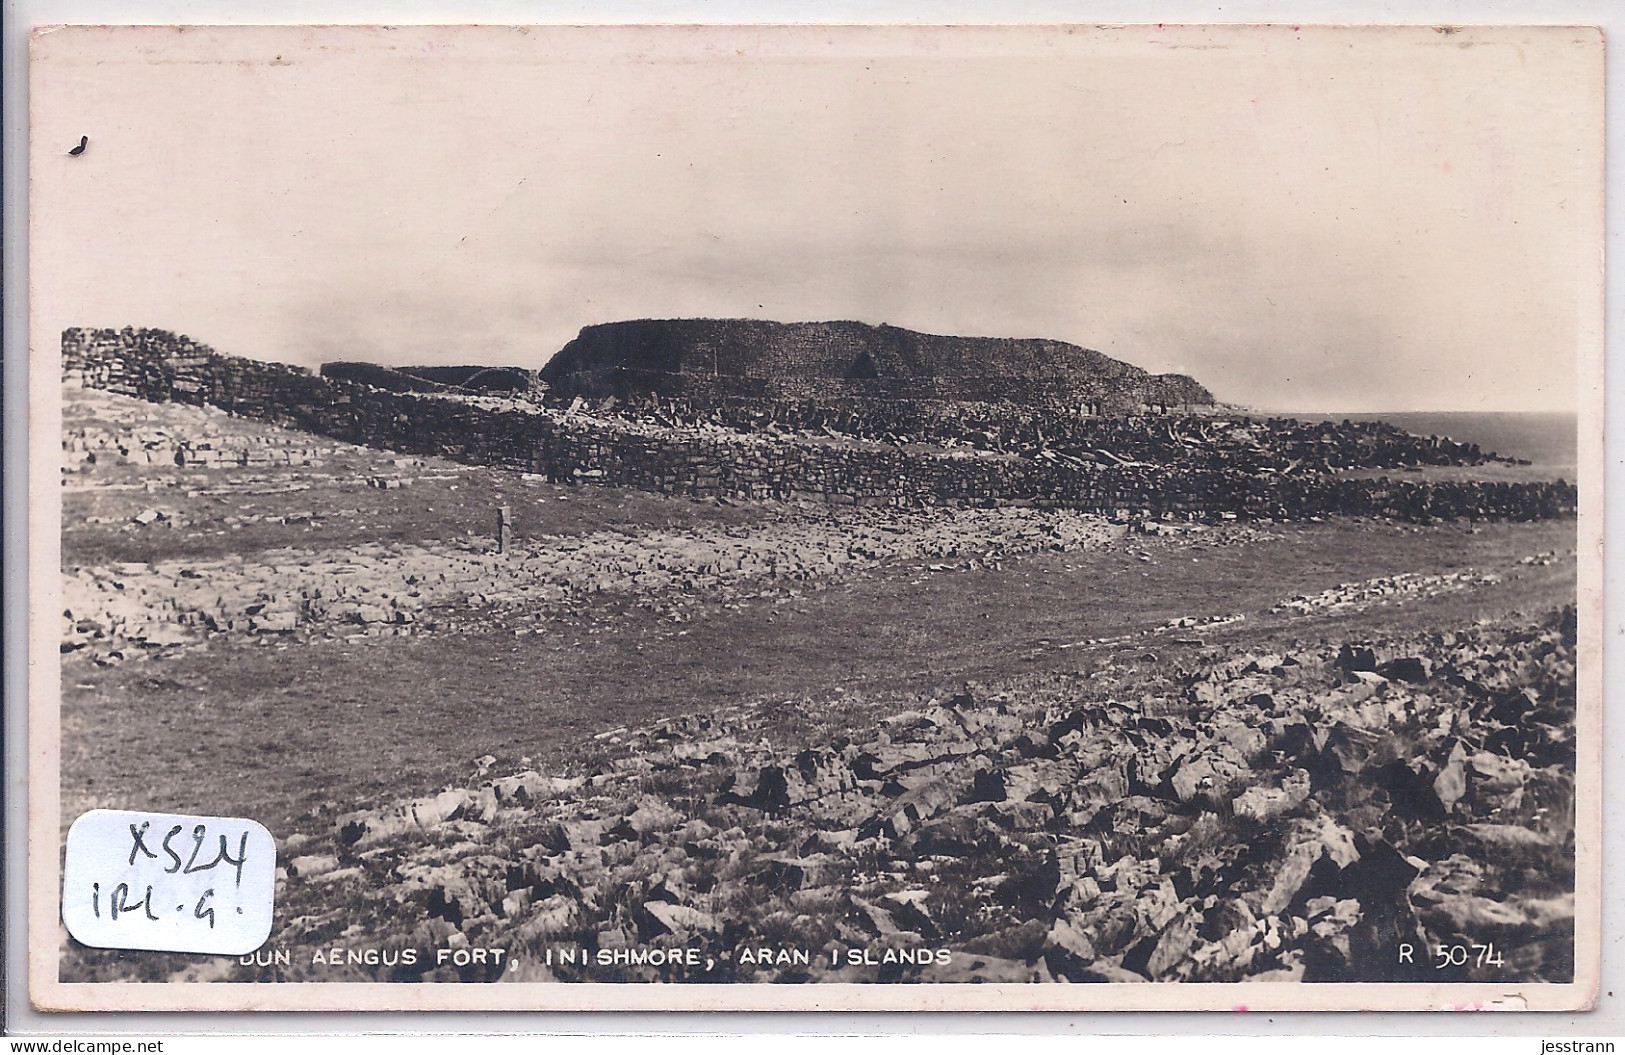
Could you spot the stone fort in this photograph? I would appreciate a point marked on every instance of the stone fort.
(965, 453)
(716, 359)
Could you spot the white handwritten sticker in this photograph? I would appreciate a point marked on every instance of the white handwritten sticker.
(168, 882)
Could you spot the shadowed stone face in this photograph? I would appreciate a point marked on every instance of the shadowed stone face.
(752, 358)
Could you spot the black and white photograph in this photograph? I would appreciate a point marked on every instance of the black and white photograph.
(815, 517)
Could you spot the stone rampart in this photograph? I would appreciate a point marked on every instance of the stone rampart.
(385, 377)
(463, 380)
(1212, 439)
(711, 460)
(752, 358)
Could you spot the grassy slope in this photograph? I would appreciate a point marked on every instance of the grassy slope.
(435, 499)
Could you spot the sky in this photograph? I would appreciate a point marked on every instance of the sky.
(1312, 219)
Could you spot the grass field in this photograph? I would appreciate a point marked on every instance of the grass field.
(277, 731)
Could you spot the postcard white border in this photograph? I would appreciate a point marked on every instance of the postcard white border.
(1356, 996)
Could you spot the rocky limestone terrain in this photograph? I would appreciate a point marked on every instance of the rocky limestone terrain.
(1296, 815)
(1292, 787)
(129, 610)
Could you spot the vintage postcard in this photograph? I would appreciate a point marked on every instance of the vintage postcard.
(815, 517)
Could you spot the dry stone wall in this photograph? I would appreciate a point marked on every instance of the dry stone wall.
(1160, 392)
(720, 358)
(376, 376)
(1275, 444)
(708, 460)
(466, 380)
